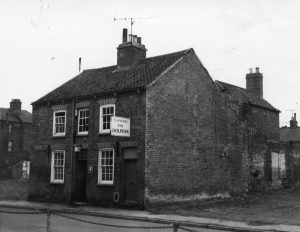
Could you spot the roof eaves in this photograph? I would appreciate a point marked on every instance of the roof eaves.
(266, 108)
(55, 101)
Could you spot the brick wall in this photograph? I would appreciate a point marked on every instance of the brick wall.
(21, 145)
(130, 105)
(183, 145)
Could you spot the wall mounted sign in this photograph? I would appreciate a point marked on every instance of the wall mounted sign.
(90, 169)
(120, 126)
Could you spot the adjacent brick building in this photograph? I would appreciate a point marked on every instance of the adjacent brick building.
(289, 151)
(15, 137)
(190, 137)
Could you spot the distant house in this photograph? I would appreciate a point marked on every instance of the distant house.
(190, 137)
(15, 138)
(290, 150)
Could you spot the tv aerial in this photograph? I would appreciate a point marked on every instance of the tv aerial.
(132, 20)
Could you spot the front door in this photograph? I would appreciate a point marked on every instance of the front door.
(80, 181)
(130, 180)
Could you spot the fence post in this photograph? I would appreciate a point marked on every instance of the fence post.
(48, 220)
(175, 227)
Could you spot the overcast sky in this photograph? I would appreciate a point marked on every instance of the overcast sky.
(41, 41)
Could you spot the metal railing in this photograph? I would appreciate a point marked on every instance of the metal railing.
(162, 224)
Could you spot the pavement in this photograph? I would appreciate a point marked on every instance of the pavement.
(142, 215)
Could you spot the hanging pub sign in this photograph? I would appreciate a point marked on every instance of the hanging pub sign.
(120, 126)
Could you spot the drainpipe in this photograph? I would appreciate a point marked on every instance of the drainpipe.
(72, 152)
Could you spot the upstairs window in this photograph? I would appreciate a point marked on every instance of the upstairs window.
(106, 112)
(83, 121)
(9, 146)
(59, 123)
(106, 166)
(9, 128)
(58, 166)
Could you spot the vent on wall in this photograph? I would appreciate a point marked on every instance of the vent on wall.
(116, 196)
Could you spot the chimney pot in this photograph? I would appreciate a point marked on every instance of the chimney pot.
(124, 40)
(139, 40)
(250, 70)
(135, 38)
(257, 69)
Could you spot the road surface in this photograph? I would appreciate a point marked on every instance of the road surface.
(38, 223)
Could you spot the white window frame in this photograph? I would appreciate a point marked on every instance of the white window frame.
(9, 146)
(100, 166)
(54, 125)
(78, 113)
(53, 180)
(101, 130)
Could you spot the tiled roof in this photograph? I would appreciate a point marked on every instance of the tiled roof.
(289, 134)
(110, 80)
(244, 95)
(16, 116)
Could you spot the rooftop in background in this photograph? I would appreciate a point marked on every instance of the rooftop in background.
(291, 133)
(245, 95)
(15, 113)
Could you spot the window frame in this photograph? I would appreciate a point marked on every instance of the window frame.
(57, 181)
(9, 128)
(100, 181)
(101, 130)
(54, 124)
(78, 121)
(10, 146)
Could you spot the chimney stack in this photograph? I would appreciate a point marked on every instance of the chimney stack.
(130, 51)
(293, 122)
(15, 105)
(254, 82)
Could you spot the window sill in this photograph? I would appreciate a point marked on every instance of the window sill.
(57, 183)
(82, 135)
(106, 185)
(58, 136)
(104, 133)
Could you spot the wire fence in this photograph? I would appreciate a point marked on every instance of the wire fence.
(156, 224)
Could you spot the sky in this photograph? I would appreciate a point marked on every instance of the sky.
(41, 41)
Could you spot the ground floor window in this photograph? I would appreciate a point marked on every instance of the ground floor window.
(57, 166)
(106, 166)
(25, 169)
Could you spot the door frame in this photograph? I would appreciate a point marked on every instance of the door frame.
(122, 198)
(77, 160)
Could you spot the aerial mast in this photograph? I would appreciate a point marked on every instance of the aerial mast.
(131, 24)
